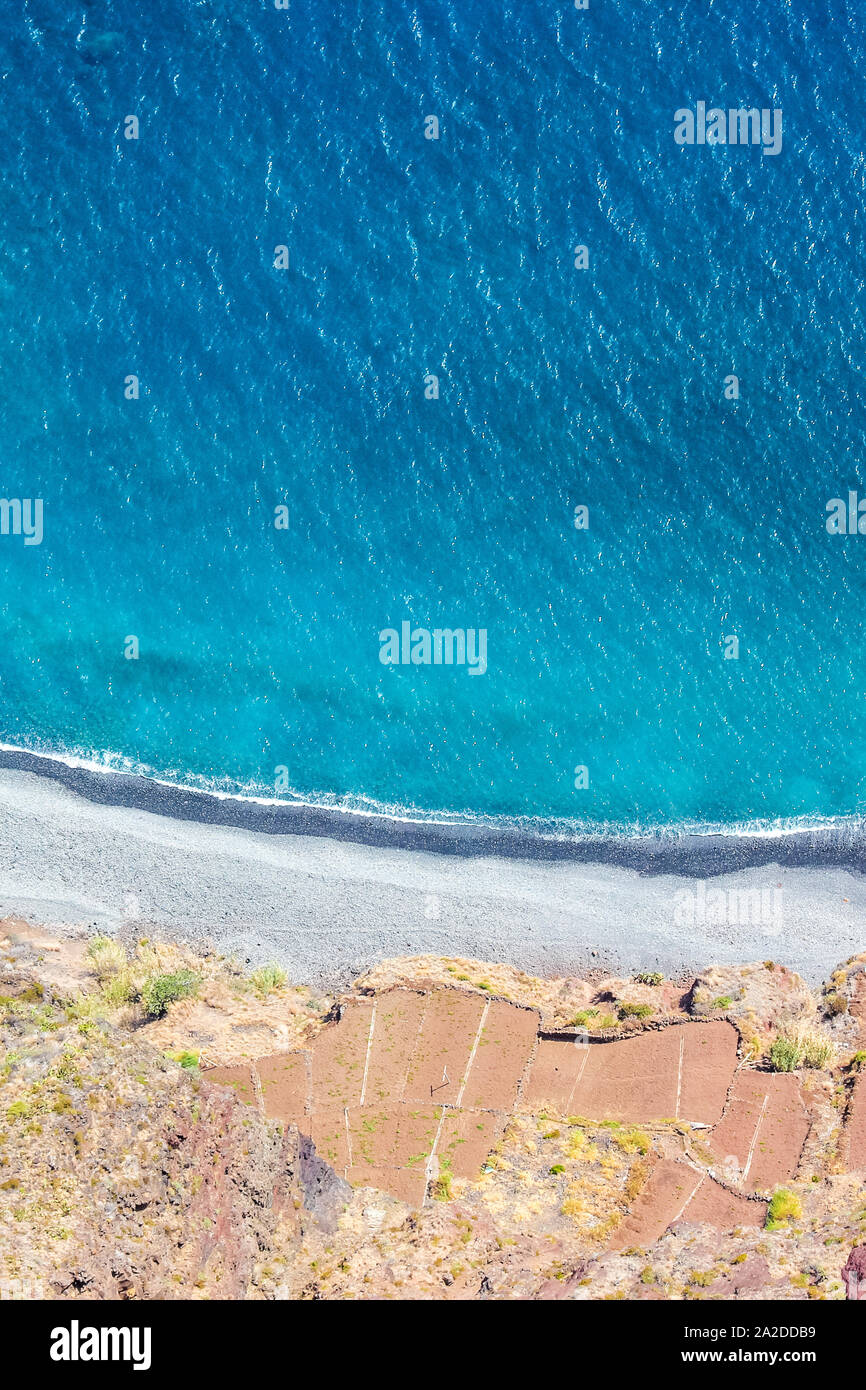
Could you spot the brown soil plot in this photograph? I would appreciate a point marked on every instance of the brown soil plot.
(339, 1055)
(681, 1072)
(239, 1078)
(764, 1129)
(856, 1126)
(286, 1082)
(676, 1192)
(445, 1047)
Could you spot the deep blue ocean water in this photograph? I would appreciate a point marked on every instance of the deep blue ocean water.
(259, 648)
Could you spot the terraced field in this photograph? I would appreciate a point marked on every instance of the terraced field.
(405, 1088)
(675, 1191)
(410, 1087)
(761, 1135)
(673, 1073)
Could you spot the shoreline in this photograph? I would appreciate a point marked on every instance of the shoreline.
(688, 853)
(327, 908)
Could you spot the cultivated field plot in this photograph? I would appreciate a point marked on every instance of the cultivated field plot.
(675, 1192)
(856, 1127)
(286, 1082)
(240, 1079)
(413, 1086)
(681, 1072)
(761, 1137)
(406, 1087)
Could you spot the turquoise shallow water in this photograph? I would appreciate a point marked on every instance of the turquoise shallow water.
(260, 648)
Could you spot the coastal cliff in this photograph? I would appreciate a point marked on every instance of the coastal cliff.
(154, 1144)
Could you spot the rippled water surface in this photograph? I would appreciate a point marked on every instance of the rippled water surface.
(259, 648)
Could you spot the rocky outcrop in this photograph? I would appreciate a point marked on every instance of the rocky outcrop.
(325, 1195)
(854, 1273)
(123, 1175)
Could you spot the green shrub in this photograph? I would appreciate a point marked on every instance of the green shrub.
(268, 978)
(97, 944)
(627, 1010)
(187, 1060)
(784, 1206)
(119, 989)
(633, 1141)
(85, 1008)
(858, 1061)
(440, 1188)
(161, 990)
(801, 1047)
(724, 1001)
(785, 1054)
(649, 977)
